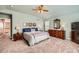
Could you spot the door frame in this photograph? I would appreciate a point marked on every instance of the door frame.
(10, 15)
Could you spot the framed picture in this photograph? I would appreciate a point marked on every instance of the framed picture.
(30, 24)
(34, 24)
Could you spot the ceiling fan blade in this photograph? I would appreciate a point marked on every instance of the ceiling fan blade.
(41, 6)
(45, 10)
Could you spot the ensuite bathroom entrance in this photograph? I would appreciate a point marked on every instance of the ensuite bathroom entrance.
(5, 25)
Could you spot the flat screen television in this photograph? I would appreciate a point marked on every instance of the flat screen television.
(75, 26)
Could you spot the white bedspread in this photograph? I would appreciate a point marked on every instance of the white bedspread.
(35, 37)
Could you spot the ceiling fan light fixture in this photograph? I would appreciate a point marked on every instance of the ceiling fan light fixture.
(41, 9)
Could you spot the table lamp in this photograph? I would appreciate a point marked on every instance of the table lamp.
(17, 28)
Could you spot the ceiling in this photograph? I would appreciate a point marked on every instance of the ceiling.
(53, 10)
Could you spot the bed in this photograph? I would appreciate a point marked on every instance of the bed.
(32, 35)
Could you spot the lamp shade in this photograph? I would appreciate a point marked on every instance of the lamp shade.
(17, 28)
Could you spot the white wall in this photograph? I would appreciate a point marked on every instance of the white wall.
(20, 19)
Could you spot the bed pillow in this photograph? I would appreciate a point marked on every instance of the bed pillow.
(34, 29)
(30, 29)
(26, 29)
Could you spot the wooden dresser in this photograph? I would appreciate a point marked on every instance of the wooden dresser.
(57, 33)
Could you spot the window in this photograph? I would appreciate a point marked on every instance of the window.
(47, 25)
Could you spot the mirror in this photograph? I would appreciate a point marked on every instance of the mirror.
(57, 24)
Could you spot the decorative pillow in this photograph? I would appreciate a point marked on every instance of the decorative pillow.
(36, 29)
(26, 29)
(30, 29)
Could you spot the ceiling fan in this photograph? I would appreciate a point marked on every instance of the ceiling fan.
(40, 9)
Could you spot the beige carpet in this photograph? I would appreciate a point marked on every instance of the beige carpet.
(52, 45)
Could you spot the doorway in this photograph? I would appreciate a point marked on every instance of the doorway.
(5, 25)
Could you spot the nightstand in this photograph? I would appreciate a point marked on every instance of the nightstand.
(17, 36)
